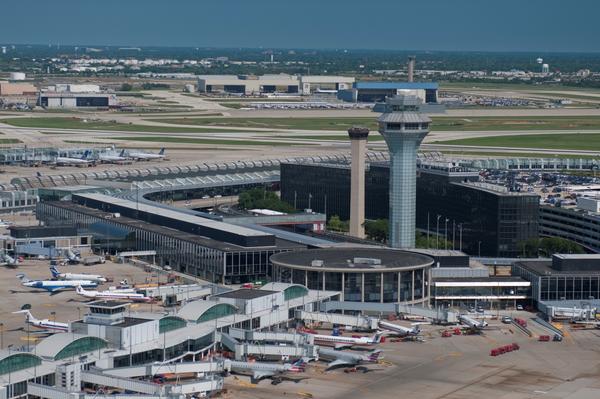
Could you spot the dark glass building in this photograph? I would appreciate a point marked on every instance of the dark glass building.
(493, 221)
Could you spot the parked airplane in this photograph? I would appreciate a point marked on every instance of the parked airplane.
(108, 158)
(339, 342)
(261, 370)
(339, 358)
(146, 156)
(55, 285)
(398, 329)
(44, 323)
(66, 161)
(114, 294)
(472, 323)
(73, 276)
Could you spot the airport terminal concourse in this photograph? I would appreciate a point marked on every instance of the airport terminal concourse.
(360, 274)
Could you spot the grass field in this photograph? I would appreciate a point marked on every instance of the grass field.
(190, 140)
(78, 123)
(373, 137)
(439, 123)
(571, 141)
(10, 141)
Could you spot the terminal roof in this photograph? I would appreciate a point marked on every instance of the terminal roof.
(245, 294)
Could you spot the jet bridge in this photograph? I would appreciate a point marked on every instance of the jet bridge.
(171, 368)
(244, 349)
(359, 321)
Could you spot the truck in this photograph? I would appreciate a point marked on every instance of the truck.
(93, 260)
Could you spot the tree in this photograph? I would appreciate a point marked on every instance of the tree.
(126, 87)
(548, 246)
(336, 224)
(259, 198)
(377, 230)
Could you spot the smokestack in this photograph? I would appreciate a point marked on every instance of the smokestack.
(358, 138)
(411, 67)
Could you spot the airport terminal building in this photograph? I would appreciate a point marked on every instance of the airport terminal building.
(213, 250)
(360, 274)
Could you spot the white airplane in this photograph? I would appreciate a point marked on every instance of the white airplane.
(261, 370)
(339, 358)
(472, 323)
(44, 323)
(146, 156)
(114, 294)
(73, 276)
(339, 342)
(55, 285)
(398, 329)
(66, 161)
(108, 158)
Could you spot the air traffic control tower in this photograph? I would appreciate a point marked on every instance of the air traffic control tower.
(403, 127)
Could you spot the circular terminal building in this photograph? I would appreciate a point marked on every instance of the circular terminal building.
(360, 274)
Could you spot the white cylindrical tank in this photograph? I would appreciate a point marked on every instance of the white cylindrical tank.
(17, 76)
(189, 88)
(539, 60)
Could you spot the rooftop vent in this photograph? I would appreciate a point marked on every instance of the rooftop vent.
(317, 263)
(367, 261)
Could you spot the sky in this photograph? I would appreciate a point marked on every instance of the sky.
(447, 25)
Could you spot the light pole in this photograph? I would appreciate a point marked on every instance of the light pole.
(460, 237)
(453, 234)
(1, 335)
(437, 232)
(446, 233)
(479, 248)
(427, 228)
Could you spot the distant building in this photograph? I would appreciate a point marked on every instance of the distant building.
(266, 84)
(372, 92)
(17, 89)
(77, 100)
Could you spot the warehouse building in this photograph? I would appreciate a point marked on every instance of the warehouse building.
(269, 84)
(360, 274)
(213, 250)
(482, 219)
(77, 100)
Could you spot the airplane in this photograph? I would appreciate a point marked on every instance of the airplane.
(339, 358)
(44, 323)
(398, 329)
(66, 161)
(107, 158)
(472, 323)
(347, 342)
(261, 370)
(146, 156)
(72, 276)
(55, 285)
(113, 294)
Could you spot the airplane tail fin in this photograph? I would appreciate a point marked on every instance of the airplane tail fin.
(85, 154)
(23, 278)
(54, 271)
(301, 363)
(374, 355)
(79, 289)
(28, 315)
(377, 337)
(162, 151)
(122, 154)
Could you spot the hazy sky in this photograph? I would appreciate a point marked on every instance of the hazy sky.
(500, 25)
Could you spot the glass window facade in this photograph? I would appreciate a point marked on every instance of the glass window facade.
(382, 287)
(80, 346)
(217, 311)
(18, 361)
(170, 323)
(294, 292)
(499, 222)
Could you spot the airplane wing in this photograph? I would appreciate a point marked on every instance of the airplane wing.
(339, 362)
(53, 289)
(340, 345)
(257, 375)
